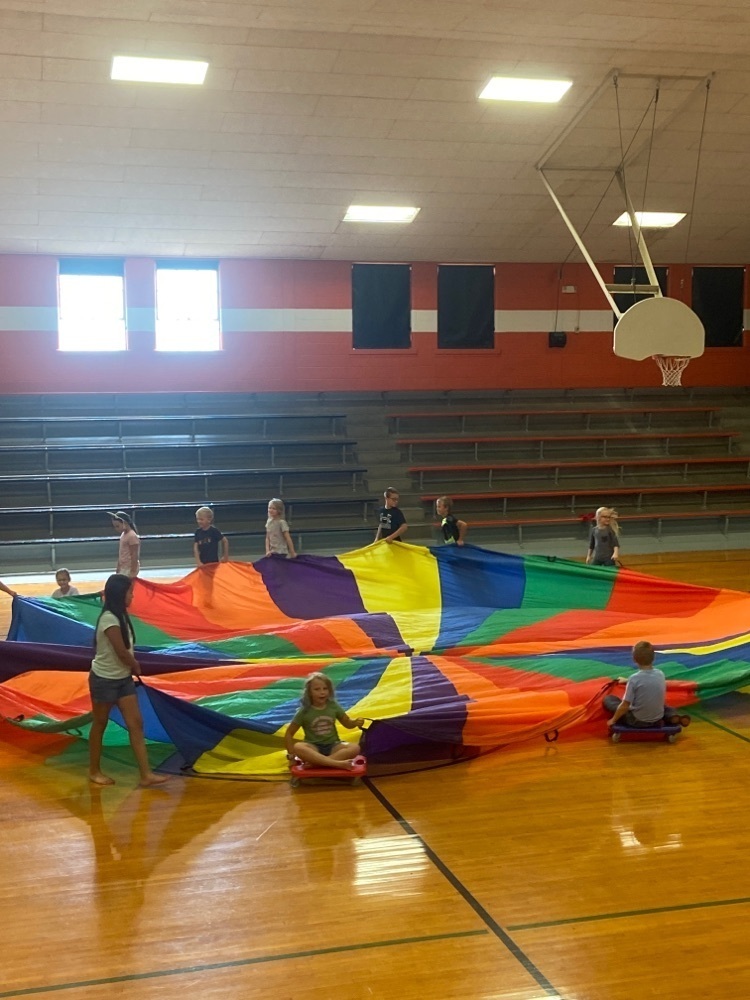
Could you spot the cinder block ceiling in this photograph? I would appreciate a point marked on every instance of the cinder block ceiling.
(311, 105)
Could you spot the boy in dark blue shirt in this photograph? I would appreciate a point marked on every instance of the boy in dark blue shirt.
(392, 523)
(208, 538)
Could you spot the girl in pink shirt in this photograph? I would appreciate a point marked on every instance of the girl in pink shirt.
(130, 544)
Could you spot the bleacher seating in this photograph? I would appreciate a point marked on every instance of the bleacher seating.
(64, 466)
(523, 419)
(544, 445)
(514, 470)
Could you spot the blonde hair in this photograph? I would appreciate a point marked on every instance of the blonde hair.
(277, 505)
(205, 512)
(306, 699)
(390, 492)
(612, 514)
(446, 502)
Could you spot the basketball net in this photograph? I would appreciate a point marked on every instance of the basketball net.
(671, 368)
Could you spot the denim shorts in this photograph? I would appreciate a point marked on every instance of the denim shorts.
(327, 748)
(110, 690)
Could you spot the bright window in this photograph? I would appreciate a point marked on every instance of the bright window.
(91, 306)
(187, 307)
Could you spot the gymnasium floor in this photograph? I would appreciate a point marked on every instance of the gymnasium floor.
(581, 870)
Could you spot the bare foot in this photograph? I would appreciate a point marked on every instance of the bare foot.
(100, 779)
(152, 780)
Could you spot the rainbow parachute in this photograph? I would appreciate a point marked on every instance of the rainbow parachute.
(451, 652)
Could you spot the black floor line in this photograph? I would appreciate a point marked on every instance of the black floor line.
(474, 903)
(718, 725)
(631, 913)
(234, 964)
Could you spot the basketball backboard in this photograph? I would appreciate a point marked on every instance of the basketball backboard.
(659, 326)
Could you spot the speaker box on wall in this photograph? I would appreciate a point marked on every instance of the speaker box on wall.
(557, 339)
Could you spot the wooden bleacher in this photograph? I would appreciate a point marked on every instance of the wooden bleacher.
(526, 417)
(577, 526)
(620, 467)
(542, 445)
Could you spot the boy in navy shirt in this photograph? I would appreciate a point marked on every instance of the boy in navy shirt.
(392, 523)
(208, 538)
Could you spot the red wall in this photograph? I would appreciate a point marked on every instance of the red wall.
(324, 360)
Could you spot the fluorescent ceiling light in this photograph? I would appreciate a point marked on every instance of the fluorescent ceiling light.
(158, 70)
(509, 88)
(380, 213)
(651, 220)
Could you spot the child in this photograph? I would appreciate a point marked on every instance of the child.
(64, 589)
(111, 681)
(130, 544)
(604, 540)
(454, 531)
(642, 705)
(207, 539)
(392, 523)
(7, 590)
(278, 540)
(318, 714)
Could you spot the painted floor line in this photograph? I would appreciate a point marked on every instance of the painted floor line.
(631, 913)
(473, 902)
(235, 964)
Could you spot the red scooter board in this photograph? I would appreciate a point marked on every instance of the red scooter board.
(302, 772)
(631, 734)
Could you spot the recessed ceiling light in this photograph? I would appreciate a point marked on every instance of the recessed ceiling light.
(509, 88)
(145, 70)
(651, 220)
(380, 213)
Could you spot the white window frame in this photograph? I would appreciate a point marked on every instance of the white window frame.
(87, 319)
(183, 324)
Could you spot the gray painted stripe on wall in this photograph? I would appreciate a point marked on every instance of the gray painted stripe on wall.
(44, 319)
(29, 318)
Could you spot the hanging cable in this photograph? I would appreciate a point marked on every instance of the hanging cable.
(621, 168)
(697, 169)
(609, 185)
(559, 291)
(650, 148)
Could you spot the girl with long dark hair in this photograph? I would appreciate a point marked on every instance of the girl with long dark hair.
(111, 681)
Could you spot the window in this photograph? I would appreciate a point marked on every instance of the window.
(718, 298)
(466, 306)
(629, 274)
(381, 306)
(187, 306)
(91, 305)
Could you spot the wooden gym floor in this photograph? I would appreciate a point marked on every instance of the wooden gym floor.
(580, 870)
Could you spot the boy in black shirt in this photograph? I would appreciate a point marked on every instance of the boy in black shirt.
(207, 539)
(392, 524)
(454, 531)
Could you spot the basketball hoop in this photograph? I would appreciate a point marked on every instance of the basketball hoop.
(671, 368)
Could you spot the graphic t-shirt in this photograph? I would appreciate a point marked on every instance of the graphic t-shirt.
(106, 662)
(390, 519)
(319, 724)
(449, 527)
(207, 540)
